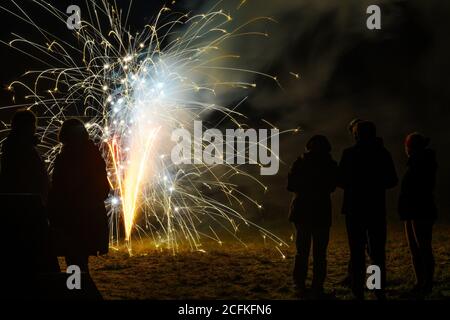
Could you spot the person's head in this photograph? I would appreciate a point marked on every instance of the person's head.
(24, 123)
(318, 144)
(73, 131)
(415, 142)
(352, 127)
(366, 131)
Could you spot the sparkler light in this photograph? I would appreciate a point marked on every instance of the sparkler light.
(136, 89)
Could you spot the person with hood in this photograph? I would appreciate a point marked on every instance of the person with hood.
(417, 208)
(366, 171)
(76, 202)
(313, 177)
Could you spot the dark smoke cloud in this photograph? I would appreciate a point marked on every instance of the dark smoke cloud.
(396, 76)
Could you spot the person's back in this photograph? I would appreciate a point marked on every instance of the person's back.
(313, 178)
(22, 169)
(79, 187)
(23, 192)
(366, 172)
(416, 199)
(417, 208)
(76, 177)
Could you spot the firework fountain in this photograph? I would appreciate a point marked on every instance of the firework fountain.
(135, 89)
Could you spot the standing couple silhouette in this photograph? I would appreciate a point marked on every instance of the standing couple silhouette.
(62, 215)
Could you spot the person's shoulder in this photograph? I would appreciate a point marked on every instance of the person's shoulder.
(300, 159)
(94, 152)
(298, 163)
(429, 156)
(349, 151)
(383, 150)
(10, 144)
(58, 158)
(333, 162)
(91, 147)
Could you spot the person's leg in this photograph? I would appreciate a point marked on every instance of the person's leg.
(356, 233)
(347, 279)
(84, 263)
(320, 244)
(423, 234)
(376, 235)
(303, 243)
(415, 254)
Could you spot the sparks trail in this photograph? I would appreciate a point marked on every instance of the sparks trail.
(136, 89)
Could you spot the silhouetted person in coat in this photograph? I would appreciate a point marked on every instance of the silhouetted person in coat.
(347, 280)
(22, 169)
(79, 188)
(24, 187)
(366, 172)
(313, 177)
(418, 210)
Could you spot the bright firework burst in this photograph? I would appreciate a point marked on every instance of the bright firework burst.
(136, 89)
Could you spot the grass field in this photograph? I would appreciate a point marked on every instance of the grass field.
(258, 271)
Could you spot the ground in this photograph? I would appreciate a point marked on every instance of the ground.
(258, 271)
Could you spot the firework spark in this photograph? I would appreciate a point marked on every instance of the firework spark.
(136, 89)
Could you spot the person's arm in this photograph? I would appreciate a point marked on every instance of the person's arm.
(333, 181)
(391, 179)
(54, 196)
(343, 171)
(42, 179)
(101, 182)
(293, 176)
(423, 178)
(105, 183)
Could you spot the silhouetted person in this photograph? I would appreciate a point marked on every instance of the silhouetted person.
(366, 172)
(24, 187)
(79, 187)
(313, 177)
(22, 169)
(417, 208)
(347, 281)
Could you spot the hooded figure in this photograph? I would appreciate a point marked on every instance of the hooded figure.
(418, 209)
(79, 188)
(312, 178)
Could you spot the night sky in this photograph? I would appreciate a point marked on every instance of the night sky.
(397, 77)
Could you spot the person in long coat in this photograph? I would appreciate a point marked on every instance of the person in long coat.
(24, 185)
(313, 177)
(417, 208)
(79, 188)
